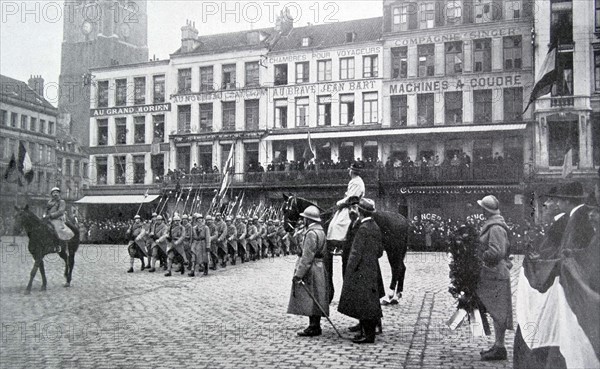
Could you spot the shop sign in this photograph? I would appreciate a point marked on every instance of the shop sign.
(218, 137)
(126, 110)
(457, 36)
(239, 95)
(431, 216)
(325, 55)
(456, 84)
(323, 88)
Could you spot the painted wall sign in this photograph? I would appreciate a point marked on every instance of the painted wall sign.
(456, 84)
(325, 55)
(458, 36)
(323, 88)
(142, 109)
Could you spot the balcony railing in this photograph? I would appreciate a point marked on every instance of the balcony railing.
(562, 101)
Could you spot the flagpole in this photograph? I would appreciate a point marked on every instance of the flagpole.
(140, 207)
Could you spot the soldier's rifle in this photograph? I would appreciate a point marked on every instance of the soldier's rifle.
(165, 204)
(186, 200)
(142, 203)
(239, 211)
(177, 202)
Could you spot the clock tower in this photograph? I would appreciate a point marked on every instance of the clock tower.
(96, 33)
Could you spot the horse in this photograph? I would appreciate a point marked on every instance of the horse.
(394, 232)
(42, 241)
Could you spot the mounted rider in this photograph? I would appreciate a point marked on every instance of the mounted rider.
(338, 228)
(55, 214)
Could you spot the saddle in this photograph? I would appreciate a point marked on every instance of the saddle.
(60, 229)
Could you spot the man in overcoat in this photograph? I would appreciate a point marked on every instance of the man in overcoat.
(311, 271)
(177, 236)
(159, 234)
(221, 239)
(136, 246)
(200, 244)
(241, 237)
(362, 286)
(212, 227)
(232, 239)
(253, 238)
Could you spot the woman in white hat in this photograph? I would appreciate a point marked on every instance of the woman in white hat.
(494, 278)
(311, 270)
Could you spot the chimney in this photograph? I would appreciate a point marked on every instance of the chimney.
(36, 83)
(284, 23)
(189, 37)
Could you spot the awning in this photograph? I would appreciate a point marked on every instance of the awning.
(399, 131)
(117, 199)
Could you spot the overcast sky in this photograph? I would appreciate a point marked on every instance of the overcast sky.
(34, 46)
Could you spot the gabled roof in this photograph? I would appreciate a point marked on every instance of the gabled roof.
(331, 34)
(19, 91)
(233, 41)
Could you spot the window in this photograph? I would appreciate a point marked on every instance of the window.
(184, 116)
(103, 94)
(159, 89)
(425, 107)
(426, 15)
(281, 111)
(42, 127)
(206, 117)
(347, 109)
(483, 106)
(482, 151)
(305, 41)
(252, 74)
(119, 169)
(483, 11)
(84, 170)
(206, 79)
(454, 57)
(205, 157)
(3, 118)
(184, 80)
(426, 55)
(561, 137)
(157, 164)
(24, 119)
(561, 27)
(3, 148)
(102, 132)
(302, 112)
(512, 53)
(13, 119)
(350, 36)
(139, 90)
(139, 171)
(252, 115)
(324, 111)
(121, 130)
(324, 70)
(564, 83)
(453, 105)
(68, 167)
(399, 62)
(101, 170)
(50, 128)
(121, 92)
(513, 103)
(512, 9)
(229, 116)
(139, 130)
(76, 170)
(399, 111)
(597, 15)
(158, 123)
(482, 55)
(347, 68)
(229, 71)
(302, 72)
(32, 124)
(596, 70)
(370, 66)
(40, 153)
(453, 12)
(370, 108)
(281, 74)
(400, 18)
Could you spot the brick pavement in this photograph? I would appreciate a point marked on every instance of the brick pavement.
(234, 318)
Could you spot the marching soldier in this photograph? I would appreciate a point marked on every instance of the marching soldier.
(55, 214)
(253, 238)
(284, 240)
(200, 244)
(159, 245)
(271, 237)
(136, 246)
(241, 236)
(232, 245)
(221, 232)
(175, 248)
(187, 242)
(263, 238)
(212, 227)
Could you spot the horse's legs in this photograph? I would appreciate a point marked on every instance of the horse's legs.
(70, 264)
(43, 273)
(31, 277)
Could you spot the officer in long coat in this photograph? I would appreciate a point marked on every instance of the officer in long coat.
(136, 246)
(200, 244)
(187, 241)
(253, 238)
(212, 227)
(362, 286)
(271, 237)
(221, 233)
(175, 248)
(232, 245)
(241, 236)
(262, 228)
(159, 234)
(310, 270)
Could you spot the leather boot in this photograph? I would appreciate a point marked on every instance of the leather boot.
(205, 268)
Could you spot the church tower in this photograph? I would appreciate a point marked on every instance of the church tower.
(96, 33)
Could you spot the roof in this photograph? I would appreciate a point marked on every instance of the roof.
(331, 34)
(14, 89)
(233, 41)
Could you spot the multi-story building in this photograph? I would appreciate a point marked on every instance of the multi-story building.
(457, 76)
(27, 117)
(568, 117)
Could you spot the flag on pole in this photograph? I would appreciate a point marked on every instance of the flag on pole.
(22, 165)
(546, 77)
(309, 152)
(567, 167)
(227, 172)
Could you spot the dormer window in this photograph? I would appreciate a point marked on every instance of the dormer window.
(350, 36)
(305, 41)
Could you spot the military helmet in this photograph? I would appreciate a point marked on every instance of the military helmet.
(176, 218)
(137, 216)
(55, 189)
(185, 216)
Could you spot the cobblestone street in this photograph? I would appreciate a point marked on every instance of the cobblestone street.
(234, 318)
